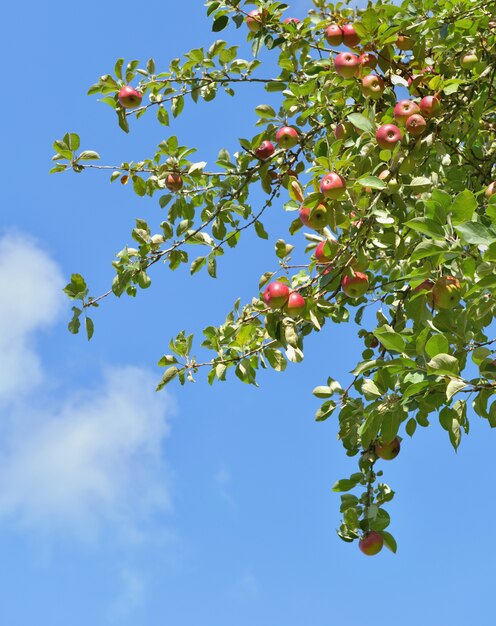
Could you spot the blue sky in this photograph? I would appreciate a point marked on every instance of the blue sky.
(199, 505)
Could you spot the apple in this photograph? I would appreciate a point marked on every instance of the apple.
(315, 218)
(491, 190)
(446, 292)
(265, 150)
(371, 543)
(295, 305)
(276, 295)
(368, 60)
(343, 130)
(174, 182)
(355, 285)
(129, 97)
(326, 251)
(404, 42)
(254, 21)
(372, 86)
(404, 108)
(287, 137)
(334, 35)
(430, 105)
(426, 286)
(388, 451)
(415, 125)
(346, 64)
(388, 136)
(350, 36)
(291, 20)
(333, 186)
(468, 61)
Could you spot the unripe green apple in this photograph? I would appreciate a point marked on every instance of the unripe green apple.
(371, 543)
(276, 295)
(388, 451)
(468, 61)
(446, 292)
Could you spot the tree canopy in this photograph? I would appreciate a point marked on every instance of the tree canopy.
(382, 151)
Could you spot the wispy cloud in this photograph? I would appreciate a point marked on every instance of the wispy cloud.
(130, 599)
(79, 462)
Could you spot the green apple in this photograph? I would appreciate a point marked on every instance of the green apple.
(388, 451)
(446, 292)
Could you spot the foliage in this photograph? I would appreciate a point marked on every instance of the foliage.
(410, 215)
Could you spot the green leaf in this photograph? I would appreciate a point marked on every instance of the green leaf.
(463, 207)
(265, 111)
(169, 375)
(426, 226)
(90, 327)
(372, 181)
(220, 23)
(389, 541)
(437, 344)
(260, 230)
(475, 233)
(443, 365)
(88, 155)
(322, 392)
(390, 339)
(454, 386)
(361, 122)
(77, 288)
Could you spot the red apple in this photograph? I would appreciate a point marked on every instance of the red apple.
(430, 105)
(129, 97)
(276, 294)
(372, 86)
(404, 42)
(388, 136)
(333, 186)
(315, 218)
(355, 285)
(346, 64)
(415, 125)
(287, 137)
(403, 109)
(334, 35)
(343, 130)
(388, 451)
(371, 543)
(350, 37)
(254, 20)
(295, 305)
(174, 182)
(367, 60)
(265, 150)
(446, 292)
(291, 20)
(326, 251)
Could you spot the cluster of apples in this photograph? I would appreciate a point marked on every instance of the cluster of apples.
(444, 293)
(254, 20)
(277, 295)
(371, 542)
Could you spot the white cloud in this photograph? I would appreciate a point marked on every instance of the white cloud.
(30, 284)
(86, 461)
